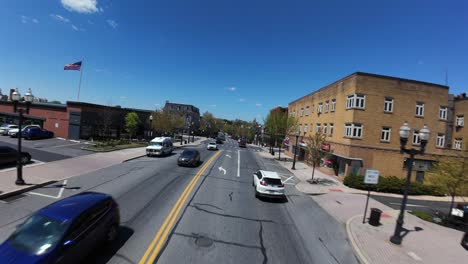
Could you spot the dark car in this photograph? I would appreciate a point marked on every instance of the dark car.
(464, 241)
(37, 133)
(219, 140)
(65, 231)
(242, 143)
(189, 157)
(10, 155)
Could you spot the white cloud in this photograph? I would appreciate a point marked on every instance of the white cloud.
(35, 20)
(25, 19)
(258, 105)
(81, 6)
(112, 23)
(75, 28)
(242, 100)
(232, 89)
(60, 18)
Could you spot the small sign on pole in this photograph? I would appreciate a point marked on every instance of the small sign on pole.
(371, 177)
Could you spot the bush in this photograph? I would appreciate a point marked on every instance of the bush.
(392, 184)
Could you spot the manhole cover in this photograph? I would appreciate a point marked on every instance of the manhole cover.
(204, 241)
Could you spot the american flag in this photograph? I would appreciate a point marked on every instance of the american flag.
(74, 66)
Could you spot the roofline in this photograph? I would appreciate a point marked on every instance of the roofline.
(37, 104)
(370, 75)
(105, 106)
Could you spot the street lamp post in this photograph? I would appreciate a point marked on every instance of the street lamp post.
(397, 237)
(151, 126)
(28, 98)
(191, 131)
(295, 151)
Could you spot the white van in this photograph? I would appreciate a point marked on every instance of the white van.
(159, 146)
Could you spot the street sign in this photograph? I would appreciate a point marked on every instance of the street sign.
(371, 177)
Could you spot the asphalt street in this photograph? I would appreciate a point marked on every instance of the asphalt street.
(220, 221)
(37, 154)
(421, 205)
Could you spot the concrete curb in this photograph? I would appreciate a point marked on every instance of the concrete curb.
(30, 188)
(356, 249)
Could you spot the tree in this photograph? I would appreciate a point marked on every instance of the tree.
(314, 150)
(55, 102)
(166, 122)
(450, 173)
(279, 124)
(132, 122)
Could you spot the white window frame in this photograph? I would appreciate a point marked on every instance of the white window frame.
(416, 140)
(419, 109)
(385, 134)
(332, 126)
(306, 127)
(319, 108)
(460, 121)
(440, 141)
(443, 112)
(307, 111)
(324, 130)
(388, 105)
(356, 101)
(333, 104)
(318, 128)
(326, 106)
(457, 144)
(302, 112)
(353, 130)
(300, 128)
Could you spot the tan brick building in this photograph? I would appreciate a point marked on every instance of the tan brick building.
(361, 115)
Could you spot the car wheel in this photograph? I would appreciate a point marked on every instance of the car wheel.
(112, 233)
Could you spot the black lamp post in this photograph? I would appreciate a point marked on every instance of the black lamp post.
(191, 132)
(28, 98)
(295, 151)
(151, 126)
(397, 237)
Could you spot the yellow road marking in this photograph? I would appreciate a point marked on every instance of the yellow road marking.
(168, 223)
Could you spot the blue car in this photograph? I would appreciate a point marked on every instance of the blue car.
(65, 231)
(37, 133)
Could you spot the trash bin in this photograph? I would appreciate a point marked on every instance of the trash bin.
(273, 152)
(185, 141)
(375, 214)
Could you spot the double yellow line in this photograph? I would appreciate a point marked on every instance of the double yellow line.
(163, 232)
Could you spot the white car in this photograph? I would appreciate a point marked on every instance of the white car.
(12, 132)
(160, 146)
(212, 146)
(5, 128)
(268, 184)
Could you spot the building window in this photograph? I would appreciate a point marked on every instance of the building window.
(353, 130)
(457, 143)
(331, 128)
(416, 139)
(317, 128)
(356, 101)
(385, 134)
(302, 111)
(319, 109)
(440, 141)
(443, 113)
(324, 129)
(333, 104)
(419, 109)
(307, 111)
(294, 113)
(460, 121)
(388, 105)
(326, 107)
(300, 128)
(305, 127)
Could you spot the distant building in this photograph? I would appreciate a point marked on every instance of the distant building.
(3, 97)
(190, 113)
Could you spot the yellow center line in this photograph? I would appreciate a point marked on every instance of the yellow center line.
(168, 223)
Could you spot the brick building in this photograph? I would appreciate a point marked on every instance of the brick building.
(77, 120)
(361, 115)
(190, 113)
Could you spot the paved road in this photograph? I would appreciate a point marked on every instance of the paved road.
(221, 222)
(422, 205)
(37, 154)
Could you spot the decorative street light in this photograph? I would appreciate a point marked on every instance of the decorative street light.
(397, 237)
(298, 133)
(28, 98)
(151, 126)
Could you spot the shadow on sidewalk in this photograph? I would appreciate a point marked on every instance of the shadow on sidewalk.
(405, 231)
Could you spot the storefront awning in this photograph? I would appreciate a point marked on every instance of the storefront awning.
(344, 157)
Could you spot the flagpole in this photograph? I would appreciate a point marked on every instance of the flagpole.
(81, 76)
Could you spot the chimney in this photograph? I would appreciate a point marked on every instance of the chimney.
(11, 92)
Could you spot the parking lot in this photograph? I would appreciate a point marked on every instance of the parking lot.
(46, 150)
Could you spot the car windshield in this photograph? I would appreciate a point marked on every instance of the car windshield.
(38, 235)
(274, 182)
(188, 153)
(212, 143)
(158, 144)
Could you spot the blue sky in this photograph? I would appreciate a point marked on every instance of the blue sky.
(236, 59)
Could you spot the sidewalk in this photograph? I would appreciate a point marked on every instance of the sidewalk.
(425, 242)
(37, 176)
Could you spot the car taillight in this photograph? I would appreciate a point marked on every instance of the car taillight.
(263, 183)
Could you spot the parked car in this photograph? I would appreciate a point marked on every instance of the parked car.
(268, 184)
(212, 146)
(464, 241)
(219, 140)
(189, 157)
(13, 132)
(5, 128)
(65, 231)
(242, 143)
(159, 146)
(37, 133)
(10, 155)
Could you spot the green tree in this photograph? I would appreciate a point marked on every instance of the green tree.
(167, 122)
(451, 175)
(279, 125)
(55, 102)
(132, 122)
(314, 150)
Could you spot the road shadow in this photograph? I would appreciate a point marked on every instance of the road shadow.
(280, 200)
(61, 186)
(105, 253)
(13, 165)
(405, 231)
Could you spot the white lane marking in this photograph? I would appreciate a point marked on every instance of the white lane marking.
(227, 155)
(76, 141)
(413, 205)
(222, 169)
(59, 195)
(288, 179)
(238, 163)
(60, 138)
(414, 256)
